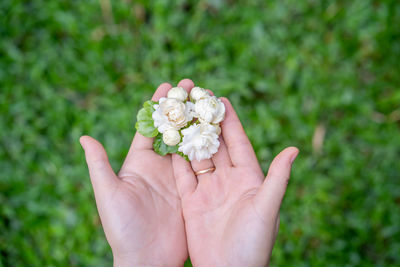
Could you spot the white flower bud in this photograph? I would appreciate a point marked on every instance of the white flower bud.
(171, 137)
(198, 93)
(178, 93)
(217, 128)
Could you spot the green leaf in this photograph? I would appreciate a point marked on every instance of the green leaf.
(161, 148)
(149, 104)
(145, 123)
(183, 155)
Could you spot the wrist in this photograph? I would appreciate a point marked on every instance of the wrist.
(129, 262)
(137, 260)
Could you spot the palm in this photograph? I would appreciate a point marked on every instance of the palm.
(140, 208)
(142, 200)
(231, 215)
(223, 203)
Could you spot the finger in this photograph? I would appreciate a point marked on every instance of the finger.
(101, 173)
(221, 159)
(141, 142)
(161, 91)
(210, 92)
(269, 197)
(186, 181)
(201, 166)
(239, 147)
(186, 84)
(278, 220)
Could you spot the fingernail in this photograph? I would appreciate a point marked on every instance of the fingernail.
(294, 157)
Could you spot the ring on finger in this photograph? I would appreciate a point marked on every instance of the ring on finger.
(205, 171)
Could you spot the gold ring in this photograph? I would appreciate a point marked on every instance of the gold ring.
(205, 171)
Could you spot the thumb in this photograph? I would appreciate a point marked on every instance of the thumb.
(101, 173)
(269, 197)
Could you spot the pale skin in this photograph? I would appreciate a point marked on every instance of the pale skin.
(157, 212)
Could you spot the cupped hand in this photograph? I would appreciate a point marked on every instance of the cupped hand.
(139, 208)
(232, 214)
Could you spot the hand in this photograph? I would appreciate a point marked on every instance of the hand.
(140, 209)
(232, 214)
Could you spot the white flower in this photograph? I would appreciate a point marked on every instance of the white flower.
(200, 141)
(210, 110)
(171, 137)
(198, 93)
(172, 114)
(178, 93)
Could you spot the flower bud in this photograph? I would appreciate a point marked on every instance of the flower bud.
(178, 93)
(198, 93)
(171, 137)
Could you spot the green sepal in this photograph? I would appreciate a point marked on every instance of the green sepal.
(161, 148)
(183, 155)
(145, 123)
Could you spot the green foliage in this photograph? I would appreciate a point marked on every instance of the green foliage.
(161, 148)
(320, 75)
(144, 121)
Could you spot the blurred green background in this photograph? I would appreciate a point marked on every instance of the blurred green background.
(321, 75)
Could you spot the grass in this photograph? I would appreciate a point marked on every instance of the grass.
(320, 75)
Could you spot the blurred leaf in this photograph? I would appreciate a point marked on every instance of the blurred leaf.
(145, 122)
(161, 148)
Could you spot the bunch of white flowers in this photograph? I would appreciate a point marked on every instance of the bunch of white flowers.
(187, 125)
